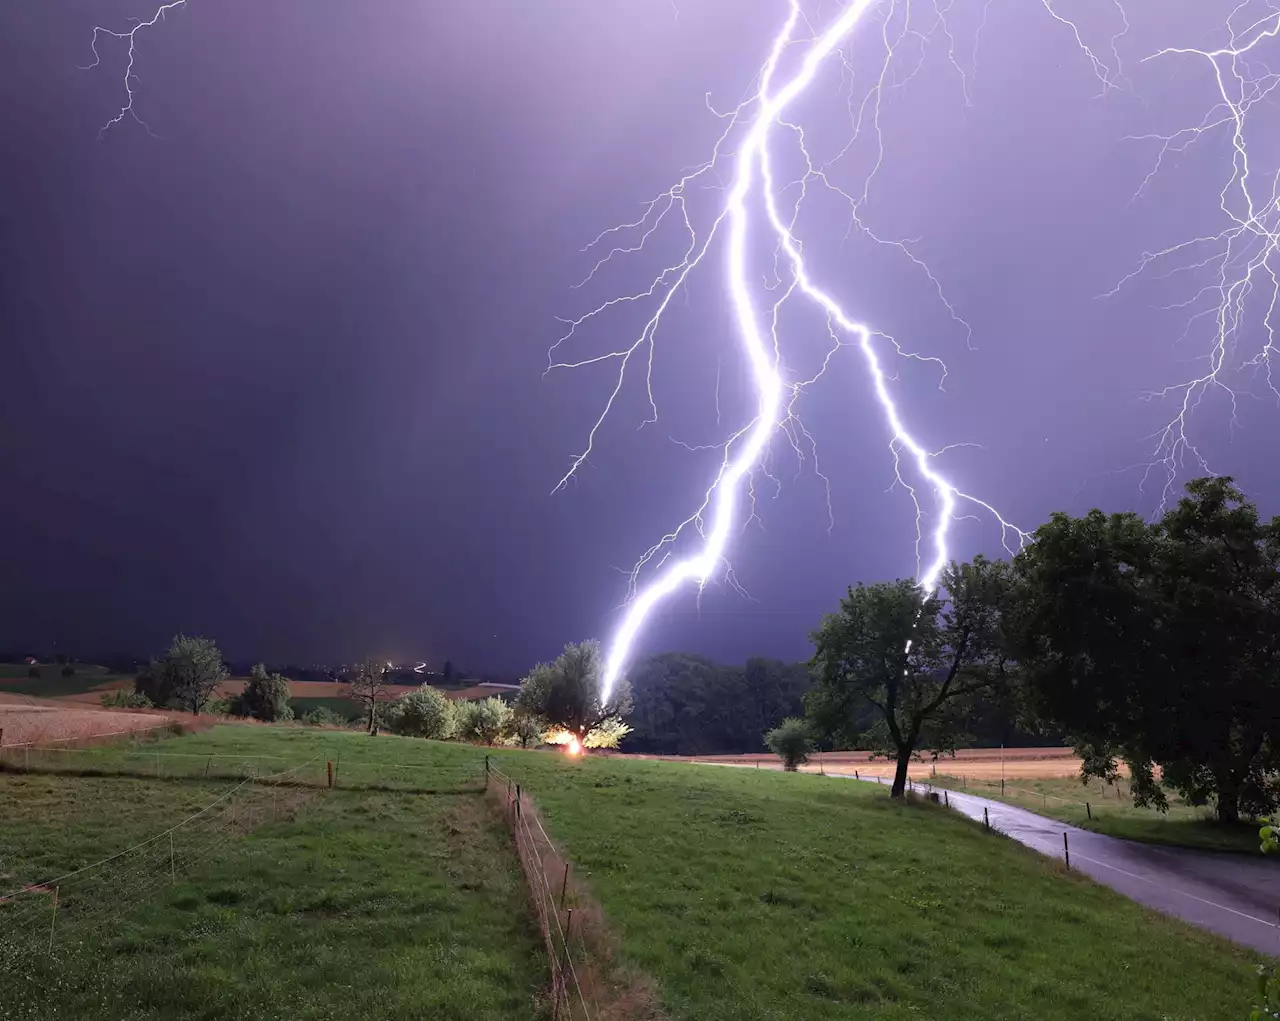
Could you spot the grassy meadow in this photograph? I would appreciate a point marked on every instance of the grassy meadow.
(1111, 810)
(743, 894)
(339, 904)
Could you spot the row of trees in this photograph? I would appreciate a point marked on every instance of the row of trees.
(1155, 644)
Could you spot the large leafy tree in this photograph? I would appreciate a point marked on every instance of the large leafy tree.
(901, 669)
(189, 673)
(566, 693)
(1159, 645)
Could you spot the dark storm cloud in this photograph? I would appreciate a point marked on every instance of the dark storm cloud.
(275, 374)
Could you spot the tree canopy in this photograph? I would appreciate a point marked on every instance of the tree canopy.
(566, 692)
(921, 662)
(1158, 644)
(189, 673)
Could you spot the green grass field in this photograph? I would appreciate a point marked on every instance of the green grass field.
(743, 894)
(342, 706)
(346, 904)
(14, 679)
(1111, 810)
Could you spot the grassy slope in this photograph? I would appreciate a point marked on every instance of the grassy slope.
(367, 905)
(760, 895)
(1113, 812)
(342, 706)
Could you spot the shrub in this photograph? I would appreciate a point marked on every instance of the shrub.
(492, 719)
(122, 699)
(426, 712)
(265, 697)
(525, 729)
(608, 735)
(68, 671)
(790, 741)
(33, 672)
(323, 716)
(220, 707)
(465, 720)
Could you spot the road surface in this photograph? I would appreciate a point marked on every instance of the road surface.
(1234, 895)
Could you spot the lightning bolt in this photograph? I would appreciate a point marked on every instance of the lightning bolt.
(1237, 259)
(761, 117)
(127, 110)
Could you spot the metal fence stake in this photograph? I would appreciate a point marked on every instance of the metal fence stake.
(1088, 810)
(564, 887)
(1066, 851)
(986, 819)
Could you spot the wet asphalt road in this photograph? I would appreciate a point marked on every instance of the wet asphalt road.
(1236, 896)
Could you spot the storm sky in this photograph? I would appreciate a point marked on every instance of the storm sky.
(274, 374)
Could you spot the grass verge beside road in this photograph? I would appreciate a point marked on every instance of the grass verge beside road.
(1110, 810)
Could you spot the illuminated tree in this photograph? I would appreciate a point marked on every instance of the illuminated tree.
(566, 692)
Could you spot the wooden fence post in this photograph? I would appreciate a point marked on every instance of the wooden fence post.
(1088, 810)
(53, 919)
(330, 764)
(517, 801)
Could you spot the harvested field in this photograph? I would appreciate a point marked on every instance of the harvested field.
(980, 763)
(25, 723)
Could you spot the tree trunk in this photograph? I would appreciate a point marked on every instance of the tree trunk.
(900, 773)
(372, 711)
(1228, 800)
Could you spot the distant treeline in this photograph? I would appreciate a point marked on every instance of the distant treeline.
(690, 705)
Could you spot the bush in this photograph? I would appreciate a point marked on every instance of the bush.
(220, 707)
(122, 699)
(265, 697)
(465, 720)
(791, 742)
(426, 712)
(525, 729)
(68, 671)
(323, 716)
(492, 719)
(34, 672)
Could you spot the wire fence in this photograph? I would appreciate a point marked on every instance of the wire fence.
(545, 869)
(38, 916)
(155, 761)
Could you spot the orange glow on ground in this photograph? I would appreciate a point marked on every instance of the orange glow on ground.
(574, 746)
